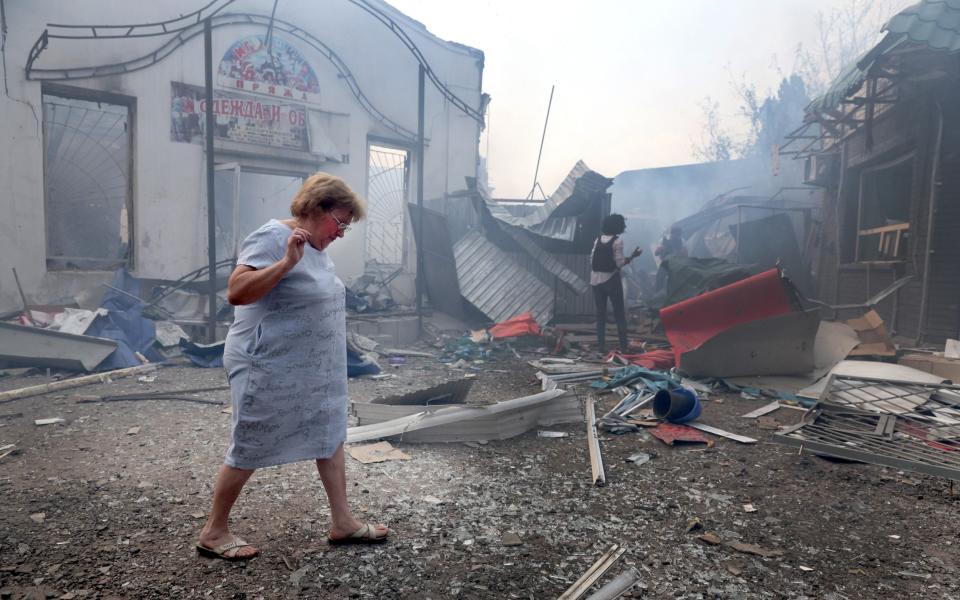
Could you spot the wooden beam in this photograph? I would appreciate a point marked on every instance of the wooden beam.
(66, 384)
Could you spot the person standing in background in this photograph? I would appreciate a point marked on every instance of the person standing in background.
(669, 246)
(606, 260)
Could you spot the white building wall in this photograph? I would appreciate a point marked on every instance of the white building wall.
(169, 198)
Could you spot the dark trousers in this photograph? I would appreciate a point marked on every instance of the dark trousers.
(612, 289)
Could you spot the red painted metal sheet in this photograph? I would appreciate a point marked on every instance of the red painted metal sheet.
(660, 360)
(670, 434)
(690, 323)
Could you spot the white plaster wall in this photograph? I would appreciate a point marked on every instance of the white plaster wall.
(169, 180)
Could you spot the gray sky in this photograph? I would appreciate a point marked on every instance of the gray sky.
(630, 74)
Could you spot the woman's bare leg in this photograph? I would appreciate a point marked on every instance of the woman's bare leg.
(333, 474)
(216, 532)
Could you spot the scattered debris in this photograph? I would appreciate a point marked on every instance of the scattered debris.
(717, 431)
(379, 410)
(50, 421)
(593, 443)
(133, 431)
(25, 346)
(768, 423)
(913, 426)
(694, 524)
(6, 450)
(595, 572)
(375, 453)
(511, 539)
(617, 586)
(498, 421)
(406, 352)
(552, 434)
(710, 538)
(639, 458)
(763, 410)
(749, 508)
(66, 384)
(38, 518)
(181, 395)
(754, 549)
(671, 434)
(873, 336)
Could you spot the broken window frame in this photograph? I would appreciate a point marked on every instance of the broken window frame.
(72, 263)
(242, 165)
(894, 237)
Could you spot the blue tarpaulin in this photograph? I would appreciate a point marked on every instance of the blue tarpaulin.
(126, 324)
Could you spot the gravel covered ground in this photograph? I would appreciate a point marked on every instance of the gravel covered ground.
(108, 505)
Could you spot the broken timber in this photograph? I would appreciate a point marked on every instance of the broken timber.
(596, 459)
(66, 384)
(722, 433)
(603, 564)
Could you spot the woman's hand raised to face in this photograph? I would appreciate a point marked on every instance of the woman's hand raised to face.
(295, 245)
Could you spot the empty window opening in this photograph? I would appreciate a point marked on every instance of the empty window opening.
(883, 231)
(88, 210)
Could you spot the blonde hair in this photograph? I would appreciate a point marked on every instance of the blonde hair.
(323, 192)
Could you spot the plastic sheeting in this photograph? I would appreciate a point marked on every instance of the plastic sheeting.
(126, 324)
(692, 322)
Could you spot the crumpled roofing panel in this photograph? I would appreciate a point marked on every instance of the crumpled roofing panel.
(498, 286)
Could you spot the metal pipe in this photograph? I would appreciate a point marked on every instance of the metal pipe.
(931, 210)
(211, 205)
(837, 250)
(543, 137)
(420, 161)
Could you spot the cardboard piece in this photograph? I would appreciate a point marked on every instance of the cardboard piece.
(375, 453)
(946, 368)
(874, 338)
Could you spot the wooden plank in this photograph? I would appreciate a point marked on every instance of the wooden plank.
(66, 384)
(717, 431)
(595, 572)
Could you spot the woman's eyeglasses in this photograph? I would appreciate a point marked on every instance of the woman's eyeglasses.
(341, 226)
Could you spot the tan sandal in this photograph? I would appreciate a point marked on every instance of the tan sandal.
(367, 534)
(222, 551)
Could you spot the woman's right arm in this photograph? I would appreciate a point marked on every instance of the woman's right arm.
(247, 285)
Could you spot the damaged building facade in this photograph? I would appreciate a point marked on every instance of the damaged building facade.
(884, 143)
(104, 163)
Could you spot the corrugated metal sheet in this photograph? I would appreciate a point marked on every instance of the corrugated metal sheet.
(496, 284)
(548, 262)
(542, 212)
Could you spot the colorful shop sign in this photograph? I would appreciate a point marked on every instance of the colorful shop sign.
(281, 72)
(242, 118)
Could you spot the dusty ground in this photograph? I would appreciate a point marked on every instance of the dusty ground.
(121, 510)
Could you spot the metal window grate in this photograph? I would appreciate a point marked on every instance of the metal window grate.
(86, 177)
(911, 426)
(387, 189)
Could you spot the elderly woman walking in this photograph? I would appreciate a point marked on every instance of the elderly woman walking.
(285, 357)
